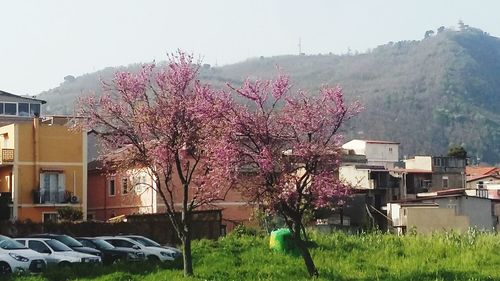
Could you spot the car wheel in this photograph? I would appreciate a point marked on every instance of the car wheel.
(64, 264)
(153, 259)
(5, 268)
(116, 261)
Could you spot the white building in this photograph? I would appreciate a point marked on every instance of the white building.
(378, 153)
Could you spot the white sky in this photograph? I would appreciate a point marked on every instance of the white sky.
(41, 41)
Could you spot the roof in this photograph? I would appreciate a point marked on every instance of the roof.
(380, 142)
(371, 167)
(478, 177)
(411, 171)
(477, 170)
(439, 195)
(3, 93)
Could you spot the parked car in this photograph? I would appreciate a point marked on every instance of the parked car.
(152, 253)
(151, 243)
(57, 253)
(110, 253)
(70, 242)
(15, 257)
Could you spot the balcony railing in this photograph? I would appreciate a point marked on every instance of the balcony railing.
(7, 155)
(48, 197)
(7, 196)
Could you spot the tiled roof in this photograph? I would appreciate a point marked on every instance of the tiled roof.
(478, 177)
(477, 170)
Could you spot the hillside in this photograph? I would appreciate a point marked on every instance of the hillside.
(426, 94)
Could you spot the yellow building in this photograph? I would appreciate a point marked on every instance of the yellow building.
(43, 167)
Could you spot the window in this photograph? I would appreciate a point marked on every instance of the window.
(34, 109)
(5, 140)
(50, 217)
(111, 187)
(52, 188)
(124, 186)
(390, 149)
(445, 182)
(10, 108)
(23, 108)
(39, 247)
(88, 244)
(1, 108)
(139, 183)
(120, 243)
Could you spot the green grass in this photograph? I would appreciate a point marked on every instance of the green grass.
(338, 256)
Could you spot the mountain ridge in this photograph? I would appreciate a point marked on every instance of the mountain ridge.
(426, 94)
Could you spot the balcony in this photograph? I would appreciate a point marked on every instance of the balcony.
(6, 197)
(7, 156)
(47, 197)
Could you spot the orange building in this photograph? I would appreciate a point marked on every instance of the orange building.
(43, 167)
(113, 194)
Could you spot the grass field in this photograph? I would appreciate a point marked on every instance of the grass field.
(338, 256)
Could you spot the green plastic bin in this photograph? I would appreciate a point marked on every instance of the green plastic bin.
(281, 240)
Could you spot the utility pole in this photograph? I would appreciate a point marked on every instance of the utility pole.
(300, 46)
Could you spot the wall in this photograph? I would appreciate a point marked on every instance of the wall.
(430, 219)
(489, 179)
(455, 180)
(358, 178)
(158, 227)
(140, 198)
(419, 163)
(385, 154)
(357, 145)
(478, 210)
(52, 147)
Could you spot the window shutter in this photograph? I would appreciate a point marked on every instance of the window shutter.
(61, 188)
(61, 183)
(41, 190)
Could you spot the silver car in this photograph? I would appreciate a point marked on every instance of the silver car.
(56, 253)
(15, 257)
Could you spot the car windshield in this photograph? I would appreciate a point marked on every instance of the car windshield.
(146, 241)
(69, 241)
(102, 245)
(8, 244)
(57, 246)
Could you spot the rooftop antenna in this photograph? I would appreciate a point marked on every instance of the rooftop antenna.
(300, 47)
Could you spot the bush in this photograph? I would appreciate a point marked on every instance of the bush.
(70, 214)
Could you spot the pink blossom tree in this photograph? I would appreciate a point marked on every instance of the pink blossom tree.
(165, 120)
(290, 142)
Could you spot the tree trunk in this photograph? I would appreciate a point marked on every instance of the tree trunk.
(304, 251)
(187, 257)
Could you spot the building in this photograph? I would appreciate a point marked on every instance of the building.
(446, 172)
(378, 153)
(112, 194)
(120, 193)
(370, 177)
(453, 209)
(14, 108)
(43, 167)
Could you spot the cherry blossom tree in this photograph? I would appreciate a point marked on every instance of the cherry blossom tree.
(289, 143)
(166, 121)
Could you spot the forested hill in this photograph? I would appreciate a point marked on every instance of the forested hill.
(427, 94)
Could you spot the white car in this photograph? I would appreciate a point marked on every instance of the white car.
(152, 253)
(56, 253)
(15, 257)
(151, 243)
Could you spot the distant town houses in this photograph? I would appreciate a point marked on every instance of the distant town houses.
(45, 166)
